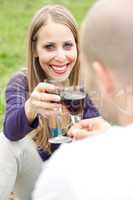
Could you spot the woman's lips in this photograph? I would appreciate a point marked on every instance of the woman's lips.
(59, 69)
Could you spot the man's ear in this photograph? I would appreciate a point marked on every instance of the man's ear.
(105, 77)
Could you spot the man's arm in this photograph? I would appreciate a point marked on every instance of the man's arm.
(88, 127)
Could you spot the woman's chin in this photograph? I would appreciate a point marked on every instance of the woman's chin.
(60, 78)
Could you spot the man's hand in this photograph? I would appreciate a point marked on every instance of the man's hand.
(88, 127)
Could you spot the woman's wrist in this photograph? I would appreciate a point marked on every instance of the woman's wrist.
(30, 114)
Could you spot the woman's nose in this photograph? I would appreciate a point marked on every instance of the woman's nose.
(60, 55)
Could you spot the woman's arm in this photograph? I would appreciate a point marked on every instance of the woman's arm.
(16, 124)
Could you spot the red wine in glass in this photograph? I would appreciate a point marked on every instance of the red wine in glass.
(73, 98)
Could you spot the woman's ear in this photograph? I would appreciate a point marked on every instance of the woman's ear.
(105, 78)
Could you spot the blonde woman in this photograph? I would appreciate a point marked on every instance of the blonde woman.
(52, 54)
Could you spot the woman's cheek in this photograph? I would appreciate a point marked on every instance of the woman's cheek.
(46, 58)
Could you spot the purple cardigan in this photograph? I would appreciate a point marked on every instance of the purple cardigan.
(16, 125)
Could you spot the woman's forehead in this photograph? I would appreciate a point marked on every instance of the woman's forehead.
(55, 31)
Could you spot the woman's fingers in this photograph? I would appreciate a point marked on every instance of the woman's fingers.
(41, 96)
(45, 105)
(45, 113)
(43, 99)
(45, 87)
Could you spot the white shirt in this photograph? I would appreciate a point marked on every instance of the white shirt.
(97, 168)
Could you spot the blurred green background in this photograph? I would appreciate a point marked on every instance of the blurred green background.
(15, 17)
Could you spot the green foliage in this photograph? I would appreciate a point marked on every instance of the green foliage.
(15, 17)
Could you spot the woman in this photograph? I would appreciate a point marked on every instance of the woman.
(52, 54)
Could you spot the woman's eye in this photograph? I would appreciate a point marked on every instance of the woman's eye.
(68, 45)
(49, 47)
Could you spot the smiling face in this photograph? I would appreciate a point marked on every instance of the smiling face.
(56, 50)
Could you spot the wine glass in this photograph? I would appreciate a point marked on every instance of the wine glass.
(57, 133)
(73, 98)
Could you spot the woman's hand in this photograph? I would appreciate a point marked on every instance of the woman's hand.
(88, 127)
(42, 101)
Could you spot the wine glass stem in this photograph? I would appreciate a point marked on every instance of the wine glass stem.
(59, 123)
(75, 118)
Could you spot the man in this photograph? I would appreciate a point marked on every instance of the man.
(100, 167)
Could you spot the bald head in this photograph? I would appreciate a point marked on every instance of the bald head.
(108, 35)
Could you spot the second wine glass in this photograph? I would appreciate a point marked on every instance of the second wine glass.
(73, 98)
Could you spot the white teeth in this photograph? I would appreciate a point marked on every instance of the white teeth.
(59, 68)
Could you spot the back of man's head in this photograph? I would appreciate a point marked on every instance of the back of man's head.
(107, 39)
(107, 35)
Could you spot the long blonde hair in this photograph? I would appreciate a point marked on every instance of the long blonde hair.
(61, 15)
